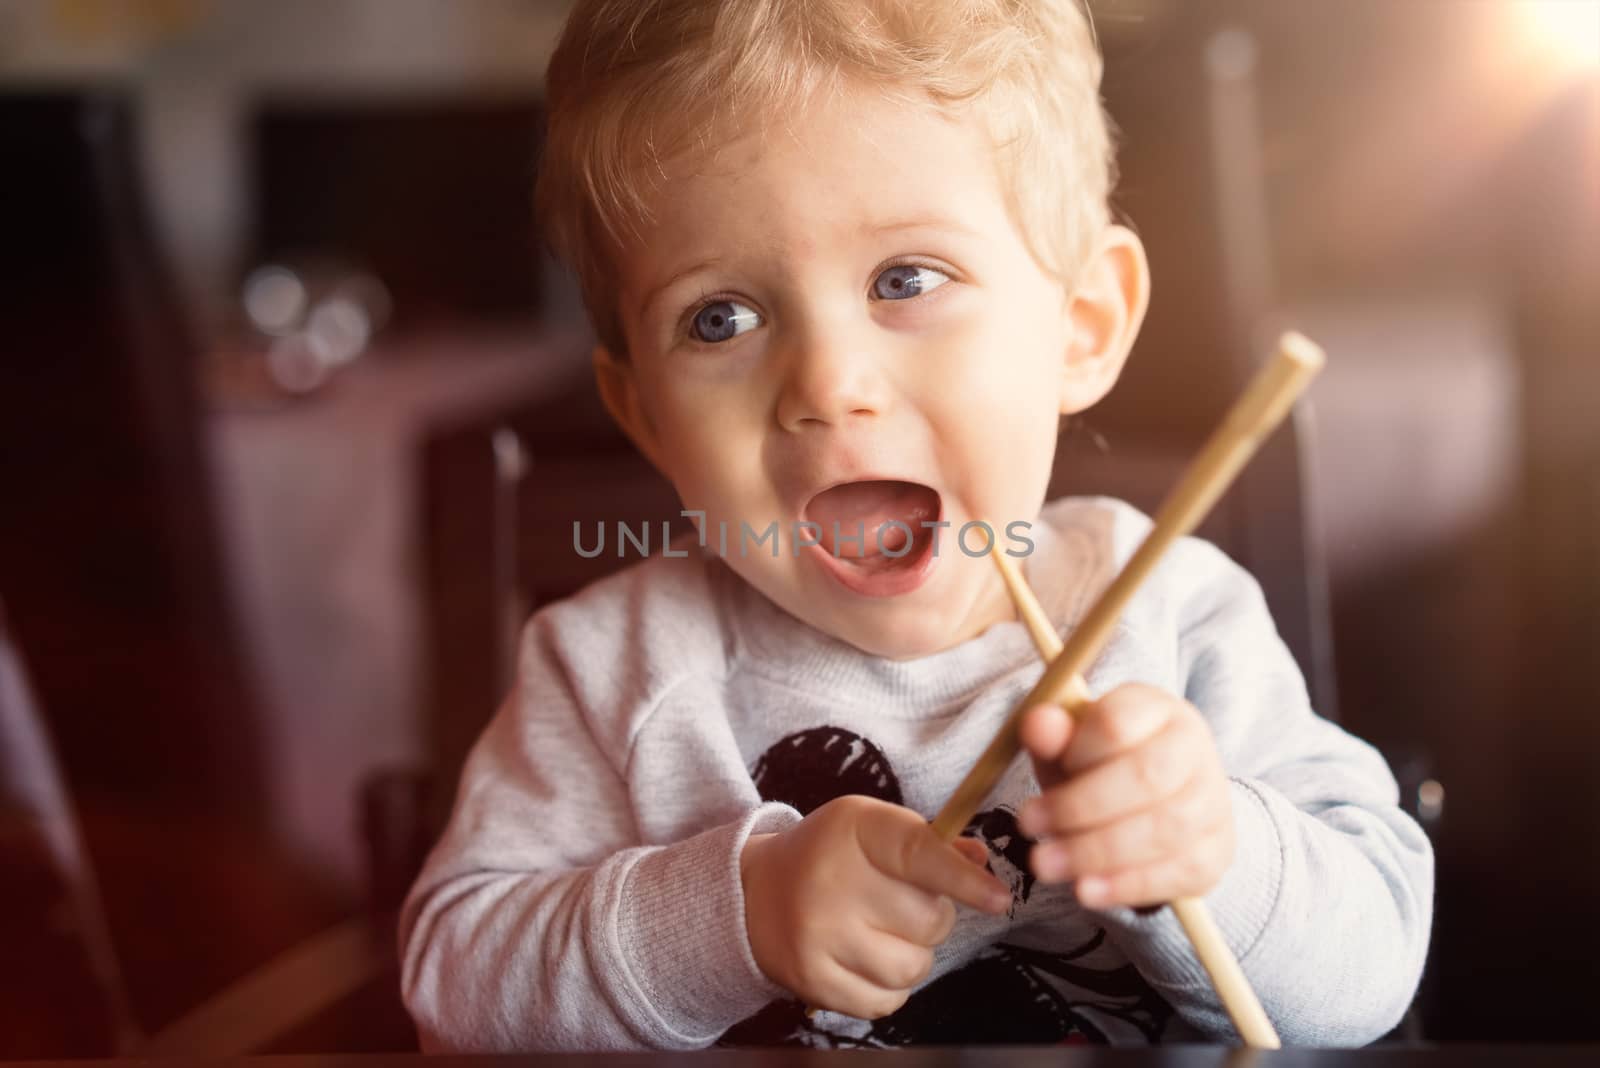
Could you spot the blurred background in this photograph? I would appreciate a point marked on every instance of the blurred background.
(295, 421)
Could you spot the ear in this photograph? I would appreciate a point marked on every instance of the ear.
(619, 389)
(1104, 314)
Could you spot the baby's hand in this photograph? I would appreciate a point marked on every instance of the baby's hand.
(1135, 808)
(844, 908)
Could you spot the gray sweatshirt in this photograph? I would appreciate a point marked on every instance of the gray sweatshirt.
(586, 894)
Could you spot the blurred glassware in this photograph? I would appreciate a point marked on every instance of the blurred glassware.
(293, 366)
(274, 299)
(337, 330)
(315, 317)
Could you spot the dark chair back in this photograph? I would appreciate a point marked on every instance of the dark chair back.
(1182, 90)
(60, 990)
(109, 557)
(111, 561)
(453, 240)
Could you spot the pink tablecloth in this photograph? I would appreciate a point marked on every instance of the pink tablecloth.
(320, 527)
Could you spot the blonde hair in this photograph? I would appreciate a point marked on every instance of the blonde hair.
(633, 82)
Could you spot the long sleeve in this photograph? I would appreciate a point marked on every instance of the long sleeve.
(1328, 903)
(586, 893)
(542, 921)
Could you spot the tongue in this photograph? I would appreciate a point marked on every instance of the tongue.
(864, 507)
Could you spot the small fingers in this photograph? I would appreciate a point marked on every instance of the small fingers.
(1158, 769)
(891, 964)
(839, 989)
(974, 850)
(1044, 732)
(1121, 720)
(1192, 874)
(1151, 834)
(909, 912)
(913, 853)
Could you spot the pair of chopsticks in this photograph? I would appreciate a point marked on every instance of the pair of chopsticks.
(1258, 411)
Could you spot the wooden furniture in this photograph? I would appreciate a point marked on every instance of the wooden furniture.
(109, 558)
(60, 991)
(453, 240)
(111, 568)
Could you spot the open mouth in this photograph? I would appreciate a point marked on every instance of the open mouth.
(872, 533)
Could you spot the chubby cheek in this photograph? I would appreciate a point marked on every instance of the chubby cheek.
(994, 407)
(712, 452)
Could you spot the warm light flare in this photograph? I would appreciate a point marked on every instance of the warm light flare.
(1569, 30)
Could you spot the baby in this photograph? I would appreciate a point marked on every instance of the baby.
(850, 262)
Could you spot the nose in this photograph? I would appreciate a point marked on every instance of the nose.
(826, 383)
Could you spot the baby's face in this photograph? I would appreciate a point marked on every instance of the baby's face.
(836, 320)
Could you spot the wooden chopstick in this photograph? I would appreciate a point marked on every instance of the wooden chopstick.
(1240, 1001)
(1264, 403)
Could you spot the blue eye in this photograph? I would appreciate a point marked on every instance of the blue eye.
(907, 280)
(722, 320)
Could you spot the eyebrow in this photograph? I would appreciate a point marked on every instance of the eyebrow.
(655, 292)
(923, 222)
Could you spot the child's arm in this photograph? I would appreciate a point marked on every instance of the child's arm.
(545, 926)
(1329, 900)
(542, 922)
(1326, 896)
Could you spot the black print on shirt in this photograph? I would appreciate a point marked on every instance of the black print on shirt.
(1005, 995)
(809, 769)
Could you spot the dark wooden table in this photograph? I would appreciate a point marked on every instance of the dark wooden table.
(987, 1057)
